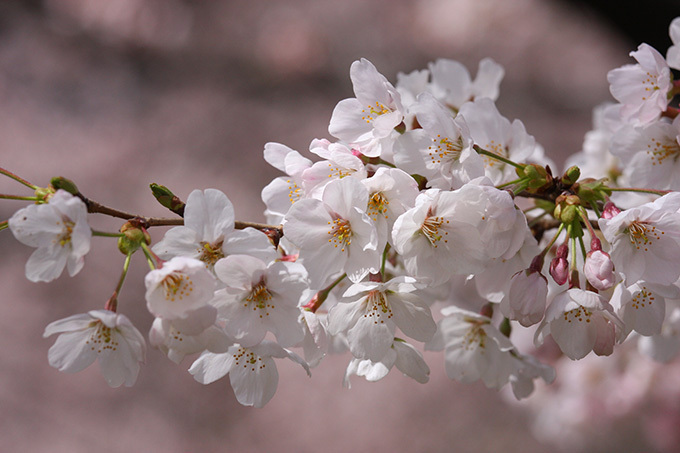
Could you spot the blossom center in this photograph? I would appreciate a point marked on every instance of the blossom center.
(377, 205)
(445, 149)
(260, 298)
(177, 286)
(431, 226)
(248, 359)
(658, 152)
(65, 237)
(341, 233)
(373, 111)
(101, 338)
(211, 253)
(579, 314)
(475, 338)
(294, 192)
(642, 235)
(377, 307)
(339, 172)
(642, 298)
(651, 84)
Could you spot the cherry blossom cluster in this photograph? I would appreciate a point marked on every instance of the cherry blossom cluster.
(426, 199)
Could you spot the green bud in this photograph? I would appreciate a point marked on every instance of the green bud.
(168, 199)
(59, 182)
(537, 177)
(569, 213)
(571, 176)
(132, 238)
(592, 191)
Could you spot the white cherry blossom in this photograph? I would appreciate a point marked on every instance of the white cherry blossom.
(369, 313)
(526, 298)
(473, 348)
(405, 357)
(673, 53)
(442, 150)
(580, 321)
(372, 114)
(391, 192)
(252, 371)
(208, 232)
(177, 338)
(458, 232)
(453, 86)
(494, 133)
(642, 306)
(100, 335)
(645, 240)
(642, 88)
(178, 287)
(339, 162)
(258, 298)
(335, 234)
(282, 192)
(650, 154)
(59, 231)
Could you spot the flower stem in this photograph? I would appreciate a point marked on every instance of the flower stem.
(586, 220)
(112, 303)
(151, 258)
(320, 297)
(509, 183)
(484, 152)
(17, 197)
(596, 210)
(553, 240)
(17, 178)
(384, 259)
(639, 190)
(4, 225)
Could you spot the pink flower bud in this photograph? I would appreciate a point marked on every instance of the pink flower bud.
(610, 210)
(599, 270)
(526, 298)
(559, 266)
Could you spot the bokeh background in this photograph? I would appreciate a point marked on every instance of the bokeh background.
(118, 94)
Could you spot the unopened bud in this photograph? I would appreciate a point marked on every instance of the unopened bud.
(537, 177)
(59, 182)
(592, 191)
(610, 211)
(571, 176)
(559, 266)
(526, 297)
(132, 238)
(168, 199)
(599, 270)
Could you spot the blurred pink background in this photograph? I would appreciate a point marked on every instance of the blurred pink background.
(116, 95)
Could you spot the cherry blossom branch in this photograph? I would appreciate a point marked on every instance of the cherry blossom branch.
(98, 208)
(17, 178)
(107, 235)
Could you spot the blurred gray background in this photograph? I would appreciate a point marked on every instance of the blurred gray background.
(118, 94)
